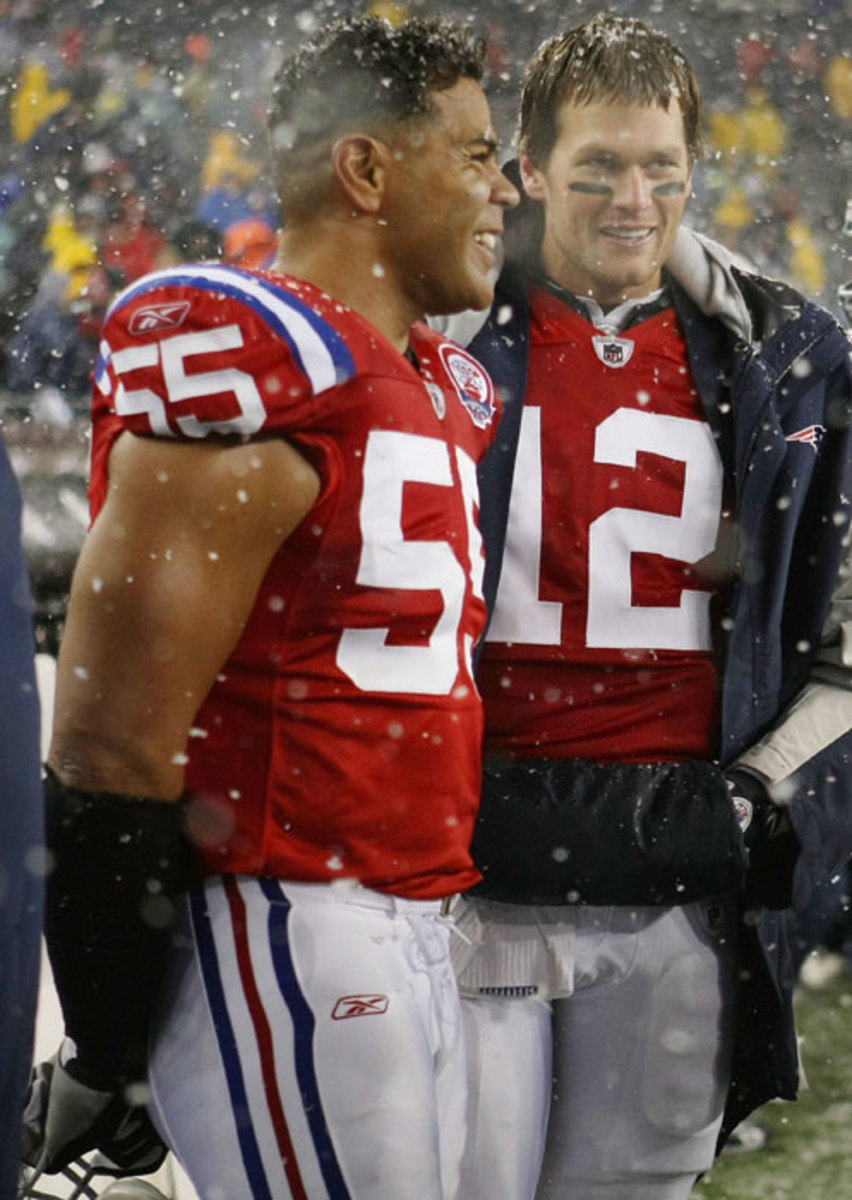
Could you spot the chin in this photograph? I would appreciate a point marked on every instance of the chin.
(480, 295)
(475, 298)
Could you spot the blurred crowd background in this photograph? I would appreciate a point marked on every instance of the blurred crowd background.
(132, 136)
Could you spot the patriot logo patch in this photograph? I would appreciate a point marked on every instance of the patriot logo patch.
(158, 316)
(474, 386)
(811, 435)
(613, 351)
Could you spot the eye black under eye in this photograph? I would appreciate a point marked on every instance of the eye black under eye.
(674, 187)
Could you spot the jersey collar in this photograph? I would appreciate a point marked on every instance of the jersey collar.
(614, 320)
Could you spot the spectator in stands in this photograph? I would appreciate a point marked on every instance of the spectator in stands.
(226, 165)
(56, 343)
(838, 84)
(225, 203)
(200, 84)
(251, 242)
(805, 263)
(190, 241)
(88, 100)
(130, 245)
(762, 132)
(35, 101)
(69, 247)
(753, 56)
(44, 346)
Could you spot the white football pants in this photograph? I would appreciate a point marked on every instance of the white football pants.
(633, 1066)
(310, 1046)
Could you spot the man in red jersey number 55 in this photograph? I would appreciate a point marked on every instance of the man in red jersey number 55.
(268, 646)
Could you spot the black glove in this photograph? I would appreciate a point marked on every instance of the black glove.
(770, 840)
(65, 1118)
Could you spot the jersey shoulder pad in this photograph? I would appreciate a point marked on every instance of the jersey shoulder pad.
(206, 348)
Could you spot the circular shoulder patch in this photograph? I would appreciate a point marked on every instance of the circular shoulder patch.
(472, 382)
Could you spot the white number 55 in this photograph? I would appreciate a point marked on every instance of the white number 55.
(388, 560)
(172, 354)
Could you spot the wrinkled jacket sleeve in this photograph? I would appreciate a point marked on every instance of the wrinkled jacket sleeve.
(807, 755)
(822, 712)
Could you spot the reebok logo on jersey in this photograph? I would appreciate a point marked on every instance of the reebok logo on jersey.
(811, 435)
(613, 351)
(359, 1006)
(474, 386)
(158, 316)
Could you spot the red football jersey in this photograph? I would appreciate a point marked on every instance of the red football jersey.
(601, 645)
(343, 737)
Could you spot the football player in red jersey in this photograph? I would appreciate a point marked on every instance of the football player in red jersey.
(665, 682)
(266, 667)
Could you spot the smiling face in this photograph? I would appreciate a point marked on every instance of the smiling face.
(445, 203)
(614, 188)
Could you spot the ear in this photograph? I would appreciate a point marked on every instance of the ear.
(359, 165)
(531, 178)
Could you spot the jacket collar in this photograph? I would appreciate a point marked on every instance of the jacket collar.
(705, 271)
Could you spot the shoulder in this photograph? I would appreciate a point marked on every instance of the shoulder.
(786, 327)
(715, 284)
(204, 348)
(205, 298)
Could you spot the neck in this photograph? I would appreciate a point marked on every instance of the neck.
(561, 271)
(346, 261)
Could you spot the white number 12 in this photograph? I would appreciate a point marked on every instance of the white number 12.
(614, 621)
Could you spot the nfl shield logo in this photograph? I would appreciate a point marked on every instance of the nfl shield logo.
(613, 351)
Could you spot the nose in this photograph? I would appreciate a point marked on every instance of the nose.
(633, 189)
(503, 191)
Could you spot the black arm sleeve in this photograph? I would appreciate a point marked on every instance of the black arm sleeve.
(117, 865)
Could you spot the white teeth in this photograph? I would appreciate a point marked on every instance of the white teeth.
(489, 240)
(628, 235)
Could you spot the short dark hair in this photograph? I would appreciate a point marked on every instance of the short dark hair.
(364, 72)
(608, 58)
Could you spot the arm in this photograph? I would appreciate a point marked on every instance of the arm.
(822, 712)
(802, 763)
(162, 589)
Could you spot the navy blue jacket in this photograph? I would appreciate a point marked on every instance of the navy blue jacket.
(792, 511)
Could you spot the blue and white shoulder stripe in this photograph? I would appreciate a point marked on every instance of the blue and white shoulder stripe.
(318, 348)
